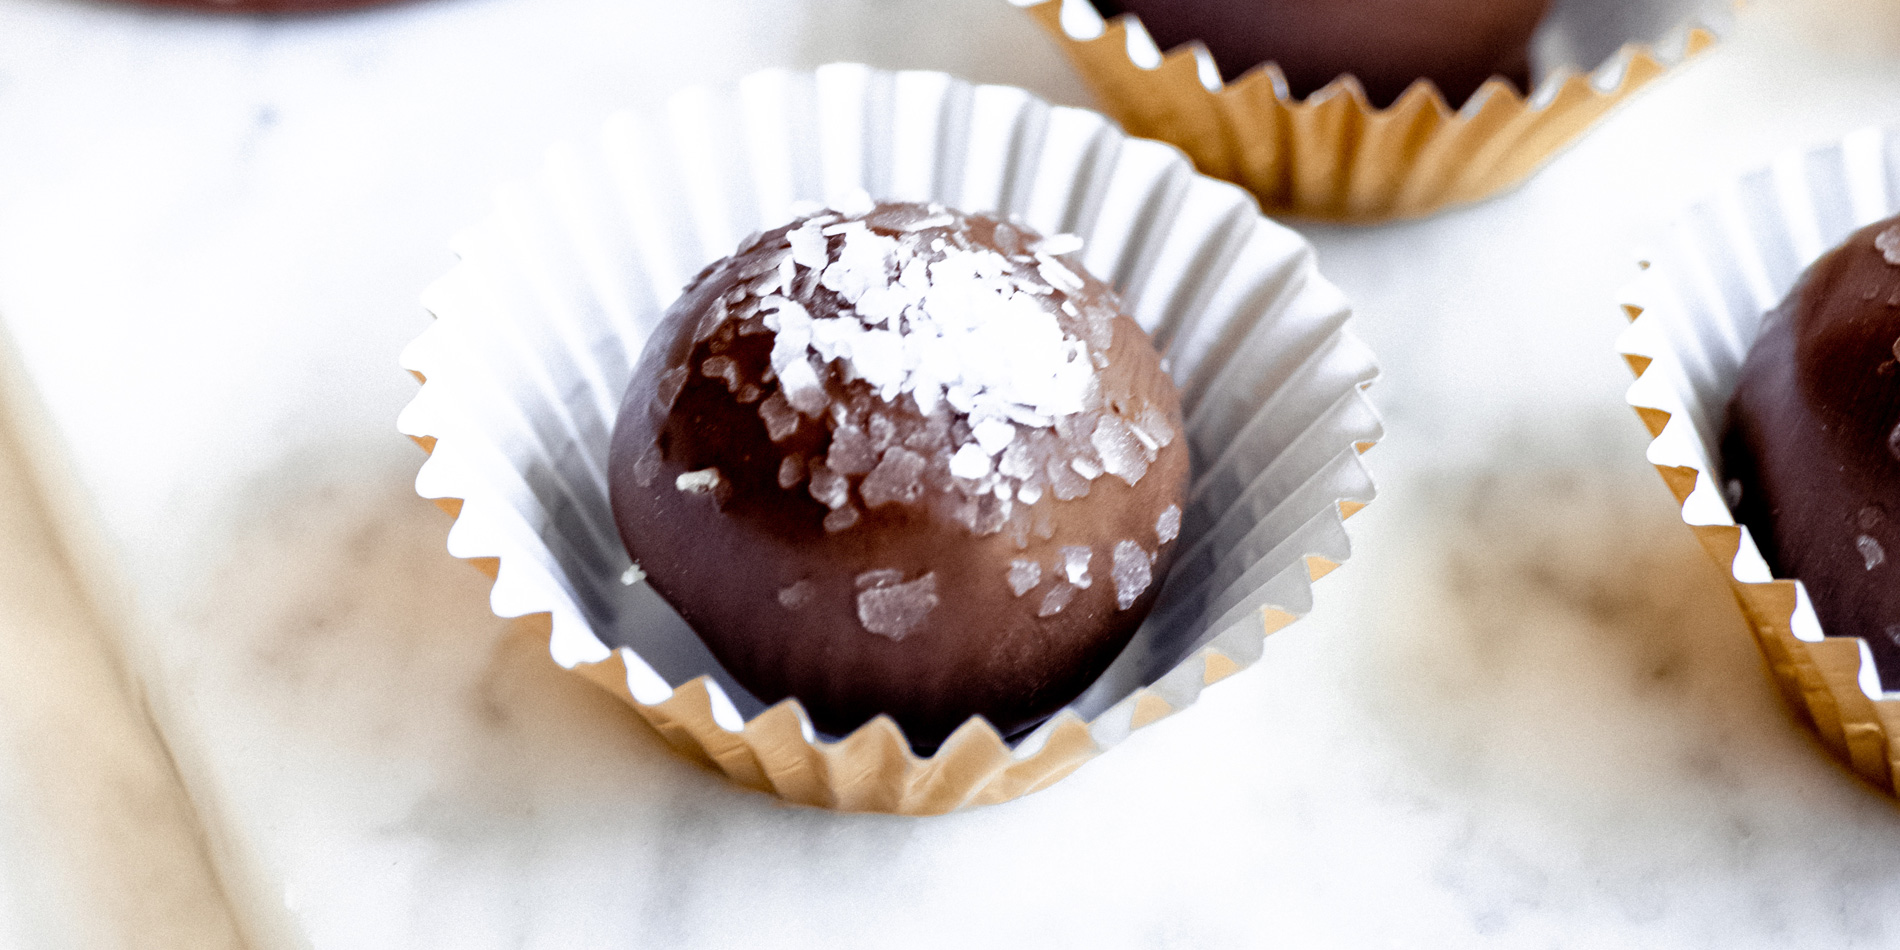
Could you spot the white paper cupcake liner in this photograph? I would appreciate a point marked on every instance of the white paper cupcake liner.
(540, 325)
(1696, 310)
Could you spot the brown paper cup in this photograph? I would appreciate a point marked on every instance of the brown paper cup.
(540, 325)
(1333, 156)
(1695, 311)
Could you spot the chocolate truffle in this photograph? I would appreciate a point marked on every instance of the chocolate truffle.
(1811, 450)
(264, 6)
(1386, 44)
(901, 460)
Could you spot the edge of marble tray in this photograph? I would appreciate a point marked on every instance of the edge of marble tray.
(197, 907)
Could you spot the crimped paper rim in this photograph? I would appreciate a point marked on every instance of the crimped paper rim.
(1830, 679)
(777, 750)
(1333, 156)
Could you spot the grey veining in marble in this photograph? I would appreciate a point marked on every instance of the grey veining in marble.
(1524, 715)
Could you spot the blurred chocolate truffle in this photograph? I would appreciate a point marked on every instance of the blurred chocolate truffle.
(902, 460)
(263, 6)
(1386, 44)
(1811, 450)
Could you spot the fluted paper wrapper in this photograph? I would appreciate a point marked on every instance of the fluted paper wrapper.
(539, 326)
(1333, 156)
(1696, 310)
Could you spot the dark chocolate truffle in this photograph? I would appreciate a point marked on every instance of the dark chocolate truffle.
(902, 460)
(1386, 44)
(1811, 451)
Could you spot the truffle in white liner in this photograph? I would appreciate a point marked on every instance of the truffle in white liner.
(905, 461)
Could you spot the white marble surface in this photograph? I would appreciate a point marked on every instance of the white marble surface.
(98, 843)
(1525, 714)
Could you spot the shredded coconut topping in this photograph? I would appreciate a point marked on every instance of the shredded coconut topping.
(1168, 526)
(704, 480)
(1075, 564)
(1057, 598)
(797, 595)
(893, 609)
(956, 325)
(1887, 243)
(1134, 571)
(1024, 576)
(1870, 551)
(949, 362)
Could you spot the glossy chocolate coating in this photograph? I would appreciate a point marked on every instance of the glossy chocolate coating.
(727, 523)
(1811, 452)
(1386, 44)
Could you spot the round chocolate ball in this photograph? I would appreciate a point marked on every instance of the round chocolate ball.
(1811, 450)
(1386, 44)
(903, 461)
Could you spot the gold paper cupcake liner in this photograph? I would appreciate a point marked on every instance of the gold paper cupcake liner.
(873, 769)
(1820, 680)
(540, 323)
(1694, 313)
(1333, 156)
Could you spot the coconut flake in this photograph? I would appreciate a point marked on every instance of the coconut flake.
(1870, 551)
(841, 519)
(896, 610)
(700, 482)
(829, 488)
(1024, 575)
(897, 478)
(1888, 243)
(1122, 453)
(781, 420)
(993, 435)
(854, 203)
(957, 328)
(722, 367)
(797, 595)
(802, 389)
(711, 321)
(1075, 564)
(1057, 598)
(970, 462)
(922, 310)
(851, 451)
(809, 247)
(791, 471)
(1056, 245)
(1133, 572)
(1168, 526)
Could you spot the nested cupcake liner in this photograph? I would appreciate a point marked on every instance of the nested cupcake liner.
(539, 326)
(1696, 310)
(1334, 156)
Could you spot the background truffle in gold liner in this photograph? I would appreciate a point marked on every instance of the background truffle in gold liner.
(539, 326)
(1334, 155)
(1697, 309)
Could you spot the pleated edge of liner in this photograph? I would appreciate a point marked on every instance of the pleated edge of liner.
(1053, 751)
(1633, 66)
(1824, 681)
